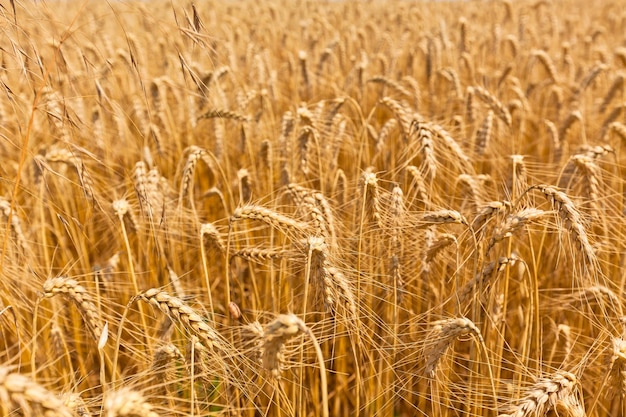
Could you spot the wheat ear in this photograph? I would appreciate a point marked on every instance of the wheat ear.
(79, 296)
(498, 108)
(18, 394)
(127, 403)
(513, 223)
(443, 333)
(545, 394)
(272, 218)
(279, 332)
(571, 216)
(178, 311)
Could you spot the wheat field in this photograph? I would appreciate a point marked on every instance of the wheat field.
(312, 208)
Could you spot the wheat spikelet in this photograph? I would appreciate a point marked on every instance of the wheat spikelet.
(209, 231)
(599, 293)
(275, 335)
(245, 184)
(340, 187)
(284, 140)
(79, 296)
(304, 147)
(519, 177)
(397, 216)
(545, 394)
(613, 116)
(304, 71)
(565, 331)
(126, 402)
(19, 394)
(596, 152)
(554, 138)
(442, 334)
(496, 106)
(179, 312)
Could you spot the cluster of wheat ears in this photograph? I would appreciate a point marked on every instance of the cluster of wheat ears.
(311, 208)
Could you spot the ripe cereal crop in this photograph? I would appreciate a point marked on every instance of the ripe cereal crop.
(313, 208)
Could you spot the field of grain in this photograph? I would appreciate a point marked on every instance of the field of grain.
(308, 208)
